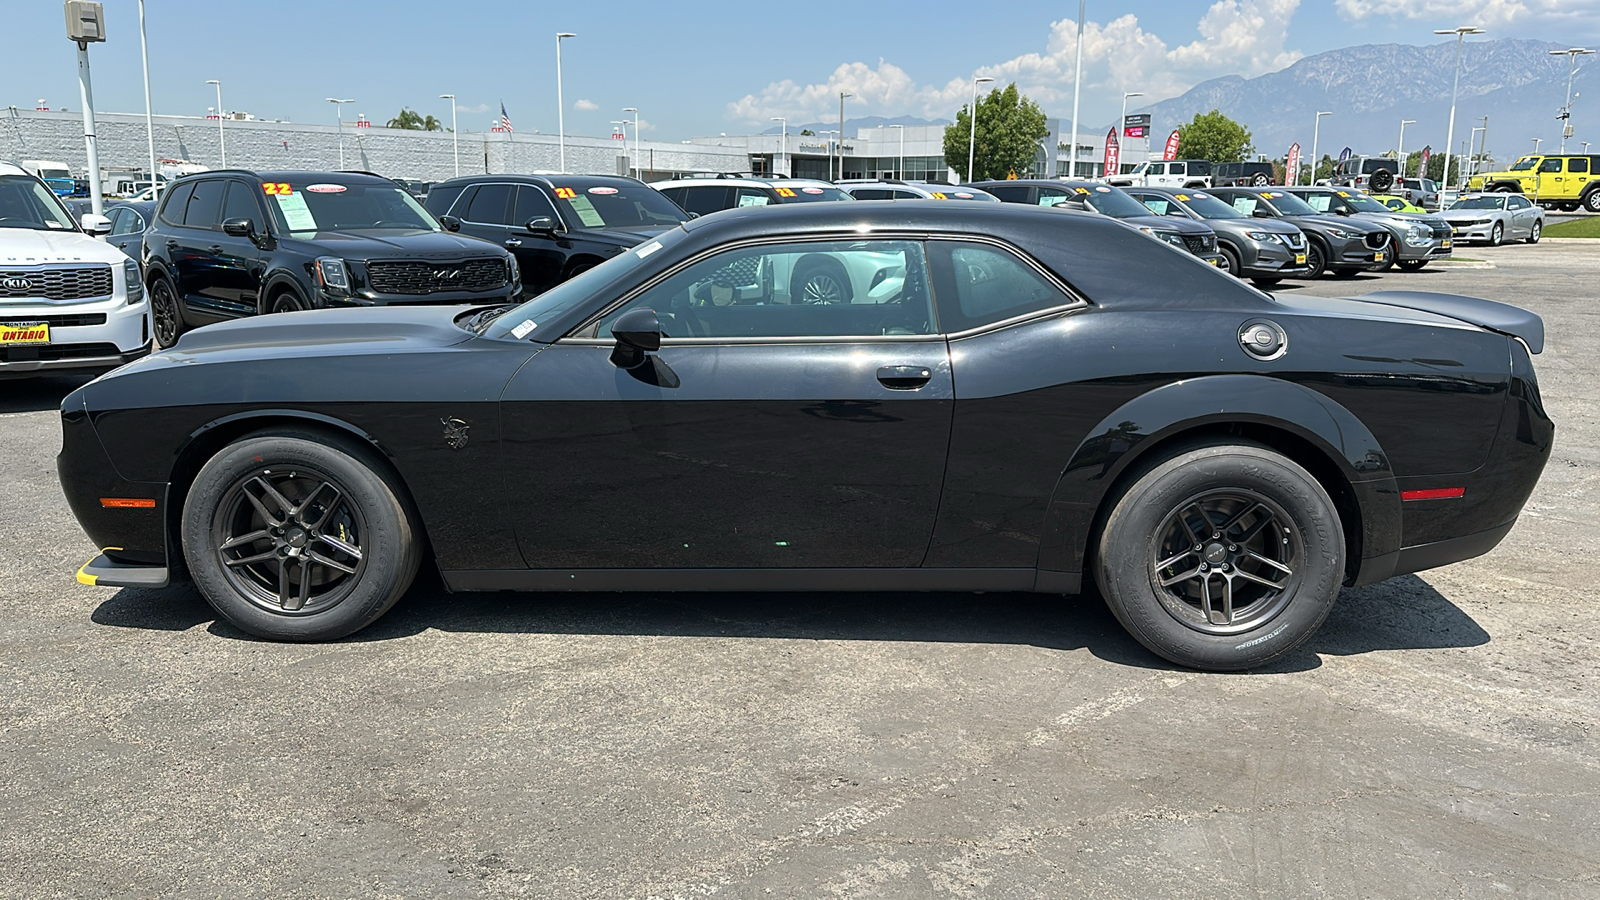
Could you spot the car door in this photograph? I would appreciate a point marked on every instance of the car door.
(194, 250)
(485, 212)
(238, 261)
(1551, 177)
(1173, 177)
(540, 254)
(764, 434)
(127, 231)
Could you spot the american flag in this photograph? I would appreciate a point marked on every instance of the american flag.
(505, 120)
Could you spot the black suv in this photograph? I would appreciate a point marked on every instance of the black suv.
(557, 225)
(1231, 174)
(231, 243)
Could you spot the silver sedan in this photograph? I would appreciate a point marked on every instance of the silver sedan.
(1495, 218)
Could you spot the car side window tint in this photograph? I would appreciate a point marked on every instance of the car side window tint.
(128, 221)
(490, 205)
(1578, 165)
(177, 200)
(905, 195)
(1051, 196)
(441, 199)
(241, 204)
(205, 205)
(979, 284)
(816, 289)
(705, 200)
(872, 194)
(531, 204)
(1010, 193)
(1550, 165)
(751, 197)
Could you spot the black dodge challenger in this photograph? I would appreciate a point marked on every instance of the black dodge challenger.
(831, 397)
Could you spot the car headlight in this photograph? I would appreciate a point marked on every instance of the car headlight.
(1343, 235)
(1265, 236)
(1173, 238)
(134, 280)
(332, 275)
(1418, 234)
(513, 271)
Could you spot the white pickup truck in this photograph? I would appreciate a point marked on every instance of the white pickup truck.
(1177, 173)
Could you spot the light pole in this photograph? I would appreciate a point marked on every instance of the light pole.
(783, 143)
(222, 144)
(1472, 162)
(1450, 135)
(900, 167)
(1585, 146)
(149, 119)
(1572, 55)
(86, 25)
(561, 110)
(1316, 133)
(1400, 148)
(828, 136)
(972, 139)
(1536, 143)
(842, 95)
(638, 153)
(455, 133)
(1122, 123)
(338, 106)
(1483, 145)
(1077, 78)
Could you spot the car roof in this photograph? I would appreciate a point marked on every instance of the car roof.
(288, 175)
(550, 181)
(745, 182)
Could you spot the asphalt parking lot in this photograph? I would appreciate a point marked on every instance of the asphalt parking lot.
(1436, 739)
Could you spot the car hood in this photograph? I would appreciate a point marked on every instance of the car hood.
(25, 246)
(1348, 224)
(321, 332)
(624, 237)
(387, 243)
(1401, 219)
(1458, 215)
(1272, 226)
(1501, 317)
(1168, 223)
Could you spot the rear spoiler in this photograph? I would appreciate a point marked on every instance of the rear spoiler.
(1502, 317)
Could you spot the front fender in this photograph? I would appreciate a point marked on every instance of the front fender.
(1121, 439)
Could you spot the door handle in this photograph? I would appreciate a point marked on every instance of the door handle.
(172, 244)
(215, 248)
(904, 378)
(513, 242)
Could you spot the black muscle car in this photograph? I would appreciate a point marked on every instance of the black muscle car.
(850, 397)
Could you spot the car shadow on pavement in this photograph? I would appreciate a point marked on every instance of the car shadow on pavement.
(1401, 614)
(39, 393)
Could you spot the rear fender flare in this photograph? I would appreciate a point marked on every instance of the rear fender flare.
(1213, 403)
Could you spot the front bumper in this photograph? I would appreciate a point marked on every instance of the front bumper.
(1272, 260)
(1476, 232)
(95, 334)
(505, 294)
(1355, 254)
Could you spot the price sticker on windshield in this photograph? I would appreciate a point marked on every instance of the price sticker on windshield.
(785, 192)
(277, 188)
(566, 193)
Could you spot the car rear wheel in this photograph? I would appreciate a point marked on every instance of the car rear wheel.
(166, 318)
(1260, 180)
(1536, 232)
(1592, 202)
(1222, 557)
(1497, 235)
(1411, 265)
(1382, 180)
(294, 536)
(1230, 260)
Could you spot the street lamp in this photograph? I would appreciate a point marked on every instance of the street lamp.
(1585, 146)
(455, 133)
(561, 111)
(842, 95)
(1572, 55)
(638, 152)
(972, 139)
(1450, 135)
(900, 167)
(1472, 162)
(338, 106)
(828, 136)
(783, 143)
(1536, 143)
(1122, 123)
(1400, 148)
(1316, 133)
(149, 118)
(222, 145)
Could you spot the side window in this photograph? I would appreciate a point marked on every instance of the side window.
(675, 194)
(1516, 203)
(440, 199)
(490, 204)
(1159, 205)
(241, 204)
(705, 199)
(1578, 165)
(1245, 203)
(1175, 168)
(1010, 193)
(531, 204)
(842, 288)
(1156, 169)
(980, 284)
(872, 194)
(205, 206)
(1318, 202)
(128, 221)
(1051, 196)
(114, 216)
(751, 197)
(176, 201)
(1550, 165)
(902, 195)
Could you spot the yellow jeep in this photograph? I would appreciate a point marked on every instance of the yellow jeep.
(1557, 181)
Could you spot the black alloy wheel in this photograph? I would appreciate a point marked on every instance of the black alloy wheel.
(166, 319)
(288, 301)
(1497, 235)
(1411, 265)
(1230, 260)
(819, 281)
(1536, 232)
(1221, 556)
(1382, 180)
(1316, 259)
(293, 536)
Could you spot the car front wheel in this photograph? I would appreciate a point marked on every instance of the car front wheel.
(1316, 260)
(295, 536)
(1497, 235)
(1222, 557)
(1230, 261)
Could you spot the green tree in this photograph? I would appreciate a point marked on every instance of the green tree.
(1216, 137)
(1010, 127)
(806, 132)
(412, 121)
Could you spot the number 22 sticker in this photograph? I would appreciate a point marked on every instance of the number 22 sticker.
(277, 188)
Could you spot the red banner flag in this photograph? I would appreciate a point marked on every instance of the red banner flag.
(1113, 156)
(1171, 151)
(1292, 165)
(1427, 154)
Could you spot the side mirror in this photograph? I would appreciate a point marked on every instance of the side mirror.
(239, 227)
(638, 332)
(1074, 204)
(1345, 211)
(541, 225)
(1261, 214)
(450, 223)
(96, 225)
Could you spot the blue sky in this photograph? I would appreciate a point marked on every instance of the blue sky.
(704, 68)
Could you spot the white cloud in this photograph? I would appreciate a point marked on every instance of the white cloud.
(586, 105)
(1483, 13)
(1245, 37)
(480, 108)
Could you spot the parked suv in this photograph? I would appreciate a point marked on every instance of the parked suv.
(555, 225)
(67, 300)
(1375, 174)
(231, 243)
(1229, 174)
(1343, 246)
(1266, 251)
(1423, 192)
(1417, 238)
(1562, 182)
(702, 196)
(1179, 173)
(1195, 237)
(893, 189)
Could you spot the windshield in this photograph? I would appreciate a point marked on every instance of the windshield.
(809, 194)
(622, 205)
(523, 320)
(1208, 207)
(1362, 202)
(54, 173)
(1480, 203)
(1114, 203)
(1288, 204)
(1525, 163)
(25, 203)
(333, 206)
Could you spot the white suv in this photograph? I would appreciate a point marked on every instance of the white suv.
(1177, 173)
(67, 300)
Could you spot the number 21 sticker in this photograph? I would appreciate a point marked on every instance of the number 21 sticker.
(566, 193)
(277, 188)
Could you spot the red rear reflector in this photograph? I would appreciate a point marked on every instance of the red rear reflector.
(127, 503)
(1433, 494)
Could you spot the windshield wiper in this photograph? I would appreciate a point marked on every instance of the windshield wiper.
(481, 319)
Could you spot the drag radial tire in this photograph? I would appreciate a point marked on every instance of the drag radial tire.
(298, 536)
(1221, 556)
